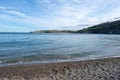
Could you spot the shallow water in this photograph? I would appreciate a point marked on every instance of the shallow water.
(20, 48)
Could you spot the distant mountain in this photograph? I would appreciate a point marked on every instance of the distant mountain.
(103, 28)
(53, 31)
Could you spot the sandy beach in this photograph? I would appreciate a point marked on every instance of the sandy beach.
(99, 69)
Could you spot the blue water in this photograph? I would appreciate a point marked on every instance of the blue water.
(27, 48)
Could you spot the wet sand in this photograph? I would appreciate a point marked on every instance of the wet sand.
(99, 69)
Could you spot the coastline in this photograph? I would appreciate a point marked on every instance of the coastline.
(97, 69)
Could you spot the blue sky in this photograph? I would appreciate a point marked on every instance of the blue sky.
(30, 15)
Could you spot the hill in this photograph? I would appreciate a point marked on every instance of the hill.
(103, 28)
(53, 31)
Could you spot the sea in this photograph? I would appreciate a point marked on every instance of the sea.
(28, 48)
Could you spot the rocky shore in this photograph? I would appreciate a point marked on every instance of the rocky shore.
(99, 69)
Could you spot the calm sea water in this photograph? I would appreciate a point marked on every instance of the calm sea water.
(32, 48)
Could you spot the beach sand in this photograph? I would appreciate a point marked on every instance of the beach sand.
(98, 69)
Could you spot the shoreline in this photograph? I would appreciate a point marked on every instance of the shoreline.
(103, 69)
(54, 61)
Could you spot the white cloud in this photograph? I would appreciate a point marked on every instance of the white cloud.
(13, 12)
(1, 8)
(63, 13)
(66, 13)
(76, 14)
(112, 15)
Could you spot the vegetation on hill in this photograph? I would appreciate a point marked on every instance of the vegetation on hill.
(53, 31)
(103, 28)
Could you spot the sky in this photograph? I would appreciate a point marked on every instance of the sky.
(30, 15)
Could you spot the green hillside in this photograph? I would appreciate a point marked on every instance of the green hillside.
(53, 31)
(104, 28)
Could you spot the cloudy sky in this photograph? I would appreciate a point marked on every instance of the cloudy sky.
(30, 15)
